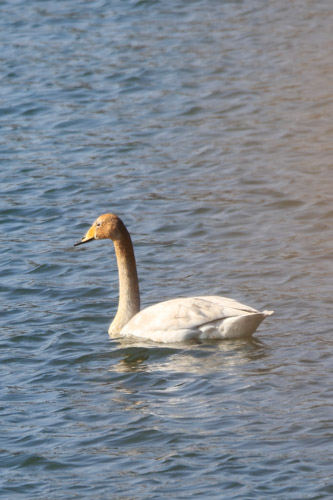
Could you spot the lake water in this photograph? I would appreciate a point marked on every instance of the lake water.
(207, 126)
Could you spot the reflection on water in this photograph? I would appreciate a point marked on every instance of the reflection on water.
(197, 359)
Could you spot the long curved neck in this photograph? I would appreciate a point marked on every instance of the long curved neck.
(129, 294)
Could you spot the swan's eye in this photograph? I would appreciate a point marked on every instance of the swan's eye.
(98, 224)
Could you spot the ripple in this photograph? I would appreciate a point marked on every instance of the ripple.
(193, 123)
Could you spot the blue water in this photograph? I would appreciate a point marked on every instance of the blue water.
(207, 126)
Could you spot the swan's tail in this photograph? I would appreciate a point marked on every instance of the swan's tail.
(268, 313)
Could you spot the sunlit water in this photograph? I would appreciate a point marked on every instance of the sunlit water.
(207, 126)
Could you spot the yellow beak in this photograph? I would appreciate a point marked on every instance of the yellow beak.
(89, 236)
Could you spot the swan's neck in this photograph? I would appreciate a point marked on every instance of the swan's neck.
(129, 294)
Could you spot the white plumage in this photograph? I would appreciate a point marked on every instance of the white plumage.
(195, 318)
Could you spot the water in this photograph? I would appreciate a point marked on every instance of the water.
(207, 126)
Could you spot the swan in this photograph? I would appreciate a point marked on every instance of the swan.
(176, 320)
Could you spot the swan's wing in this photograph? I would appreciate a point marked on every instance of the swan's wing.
(184, 316)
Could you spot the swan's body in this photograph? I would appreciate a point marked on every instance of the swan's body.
(177, 320)
(194, 318)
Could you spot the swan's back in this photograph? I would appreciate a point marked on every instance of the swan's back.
(182, 319)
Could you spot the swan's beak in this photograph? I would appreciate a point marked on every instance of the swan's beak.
(89, 236)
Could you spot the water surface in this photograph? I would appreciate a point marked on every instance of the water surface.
(207, 126)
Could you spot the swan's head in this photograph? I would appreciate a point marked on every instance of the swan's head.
(107, 226)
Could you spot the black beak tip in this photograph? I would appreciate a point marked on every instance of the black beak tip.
(83, 241)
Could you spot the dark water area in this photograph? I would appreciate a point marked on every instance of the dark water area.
(207, 126)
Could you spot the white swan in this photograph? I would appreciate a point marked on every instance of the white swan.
(177, 320)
